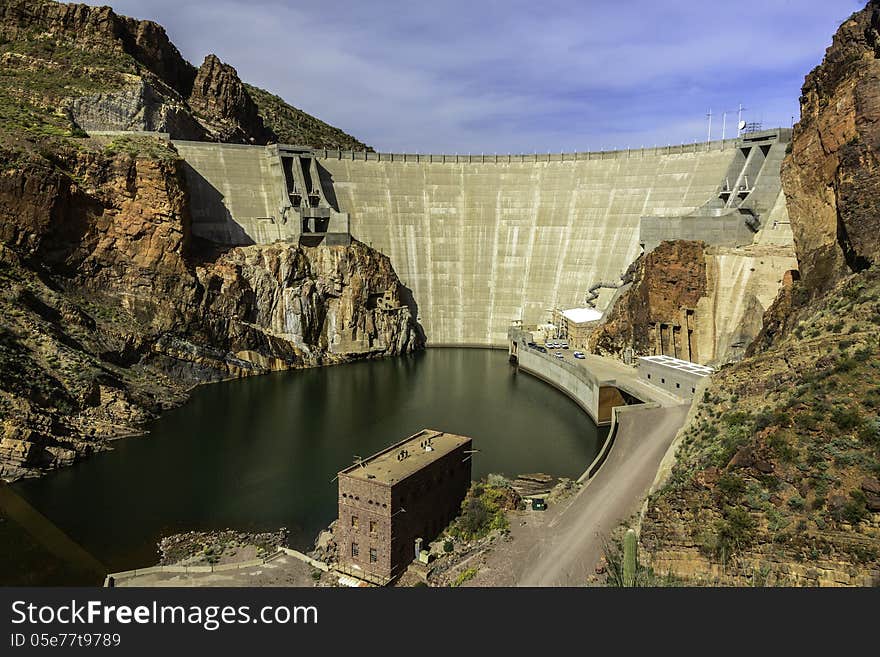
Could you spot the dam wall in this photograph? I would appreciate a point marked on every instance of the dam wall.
(483, 240)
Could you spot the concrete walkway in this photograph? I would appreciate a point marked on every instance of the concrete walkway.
(626, 377)
(562, 546)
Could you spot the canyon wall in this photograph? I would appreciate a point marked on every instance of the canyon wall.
(111, 309)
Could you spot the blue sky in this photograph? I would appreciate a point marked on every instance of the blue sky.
(510, 76)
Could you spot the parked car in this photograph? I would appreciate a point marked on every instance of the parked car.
(558, 354)
(541, 349)
(532, 345)
(578, 354)
(564, 345)
(550, 345)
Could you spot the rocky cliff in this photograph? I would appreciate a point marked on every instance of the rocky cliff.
(110, 311)
(72, 67)
(832, 178)
(776, 475)
(694, 302)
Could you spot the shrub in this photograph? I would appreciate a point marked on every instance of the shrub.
(736, 418)
(734, 532)
(853, 510)
(731, 486)
(796, 502)
(846, 418)
(869, 432)
(464, 576)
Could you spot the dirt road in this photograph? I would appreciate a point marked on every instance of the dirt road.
(562, 546)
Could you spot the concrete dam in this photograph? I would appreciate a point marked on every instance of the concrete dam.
(485, 240)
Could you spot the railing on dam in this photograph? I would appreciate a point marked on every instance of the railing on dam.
(577, 156)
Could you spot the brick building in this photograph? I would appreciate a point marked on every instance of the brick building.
(410, 490)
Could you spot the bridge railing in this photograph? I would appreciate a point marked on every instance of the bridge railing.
(493, 158)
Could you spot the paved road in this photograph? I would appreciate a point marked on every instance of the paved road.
(606, 369)
(563, 547)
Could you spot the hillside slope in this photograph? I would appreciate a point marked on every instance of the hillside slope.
(69, 68)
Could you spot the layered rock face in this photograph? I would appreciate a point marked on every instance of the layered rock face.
(832, 179)
(668, 283)
(698, 303)
(110, 311)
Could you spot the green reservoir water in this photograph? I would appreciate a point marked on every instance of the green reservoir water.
(262, 453)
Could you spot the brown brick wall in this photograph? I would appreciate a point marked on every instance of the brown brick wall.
(431, 498)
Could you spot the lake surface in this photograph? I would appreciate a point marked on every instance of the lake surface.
(262, 453)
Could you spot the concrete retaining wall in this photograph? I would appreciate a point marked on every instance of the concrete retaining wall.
(127, 574)
(576, 382)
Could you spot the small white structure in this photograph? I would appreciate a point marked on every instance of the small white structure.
(680, 377)
(582, 315)
(578, 323)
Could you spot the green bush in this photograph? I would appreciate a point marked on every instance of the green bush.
(869, 432)
(735, 531)
(731, 486)
(464, 576)
(482, 511)
(846, 418)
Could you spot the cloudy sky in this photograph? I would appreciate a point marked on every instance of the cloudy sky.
(512, 76)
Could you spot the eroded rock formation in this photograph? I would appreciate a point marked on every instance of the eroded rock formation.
(694, 302)
(832, 179)
(78, 67)
(219, 95)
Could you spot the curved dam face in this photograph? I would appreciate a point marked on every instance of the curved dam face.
(483, 244)
(481, 241)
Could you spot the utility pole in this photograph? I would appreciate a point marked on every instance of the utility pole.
(709, 116)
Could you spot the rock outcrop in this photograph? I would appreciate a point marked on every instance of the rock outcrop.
(832, 178)
(668, 283)
(110, 311)
(78, 67)
(694, 302)
(219, 95)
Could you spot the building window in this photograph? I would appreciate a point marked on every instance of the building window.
(374, 556)
(374, 526)
(678, 385)
(354, 522)
(693, 390)
(649, 375)
(354, 549)
(662, 380)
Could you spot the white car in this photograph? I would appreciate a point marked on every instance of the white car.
(564, 345)
(551, 345)
(558, 354)
(580, 355)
